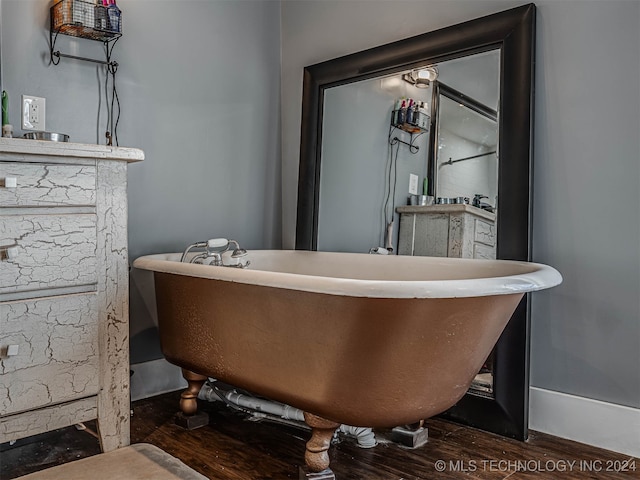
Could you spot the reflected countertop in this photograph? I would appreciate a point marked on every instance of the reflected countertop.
(447, 208)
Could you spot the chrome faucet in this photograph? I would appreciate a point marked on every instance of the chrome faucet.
(213, 250)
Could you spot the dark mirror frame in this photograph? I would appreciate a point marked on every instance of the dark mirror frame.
(512, 31)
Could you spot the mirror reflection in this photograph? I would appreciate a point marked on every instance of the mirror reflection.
(369, 164)
(467, 150)
(409, 165)
(363, 177)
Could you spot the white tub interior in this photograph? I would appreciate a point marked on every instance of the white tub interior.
(354, 274)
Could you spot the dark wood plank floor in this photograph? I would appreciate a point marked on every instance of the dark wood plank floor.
(232, 447)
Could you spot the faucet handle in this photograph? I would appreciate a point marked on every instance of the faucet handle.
(217, 242)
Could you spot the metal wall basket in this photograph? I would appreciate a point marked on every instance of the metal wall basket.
(84, 19)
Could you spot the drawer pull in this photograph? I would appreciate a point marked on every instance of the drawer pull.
(10, 182)
(8, 253)
(12, 350)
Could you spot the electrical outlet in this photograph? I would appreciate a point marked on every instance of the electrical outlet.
(33, 113)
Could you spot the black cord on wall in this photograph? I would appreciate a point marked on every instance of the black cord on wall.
(390, 187)
(112, 68)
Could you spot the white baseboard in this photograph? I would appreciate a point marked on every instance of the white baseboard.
(601, 424)
(155, 377)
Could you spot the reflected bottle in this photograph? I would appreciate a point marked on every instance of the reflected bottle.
(100, 15)
(409, 114)
(416, 115)
(423, 117)
(402, 113)
(113, 13)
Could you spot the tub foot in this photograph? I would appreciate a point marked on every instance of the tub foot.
(191, 422)
(189, 417)
(304, 474)
(412, 436)
(316, 456)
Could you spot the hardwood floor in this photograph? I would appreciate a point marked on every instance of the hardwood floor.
(232, 447)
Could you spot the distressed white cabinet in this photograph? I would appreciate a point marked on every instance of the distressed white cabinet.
(64, 299)
(459, 230)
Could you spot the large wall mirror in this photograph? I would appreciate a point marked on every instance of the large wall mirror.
(472, 137)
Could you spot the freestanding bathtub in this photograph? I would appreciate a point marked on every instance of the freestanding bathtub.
(356, 339)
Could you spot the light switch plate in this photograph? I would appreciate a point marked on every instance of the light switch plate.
(413, 184)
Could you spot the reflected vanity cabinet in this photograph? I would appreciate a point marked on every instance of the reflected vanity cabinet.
(457, 230)
(64, 328)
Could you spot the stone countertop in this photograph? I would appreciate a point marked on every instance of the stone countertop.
(447, 208)
(20, 149)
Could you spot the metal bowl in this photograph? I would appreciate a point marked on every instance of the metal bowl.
(50, 136)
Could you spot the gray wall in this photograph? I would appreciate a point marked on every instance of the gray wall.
(585, 333)
(199, 86)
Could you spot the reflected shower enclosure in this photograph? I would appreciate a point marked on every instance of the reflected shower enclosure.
(466, 150)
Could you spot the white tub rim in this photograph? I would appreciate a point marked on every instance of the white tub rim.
(525, 276)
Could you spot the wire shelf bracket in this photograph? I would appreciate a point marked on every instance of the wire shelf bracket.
(413, 129)
(83, 19)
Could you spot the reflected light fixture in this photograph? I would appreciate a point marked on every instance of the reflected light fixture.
(421, 77)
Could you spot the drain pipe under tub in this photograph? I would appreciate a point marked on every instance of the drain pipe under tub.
(364, 435)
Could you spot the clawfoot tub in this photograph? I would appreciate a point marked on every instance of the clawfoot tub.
(363, 340)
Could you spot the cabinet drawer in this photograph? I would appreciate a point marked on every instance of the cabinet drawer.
(484, 251)
(431, 237)
(51, 251)
(47, 185)
(485, 233)
(57, 357)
